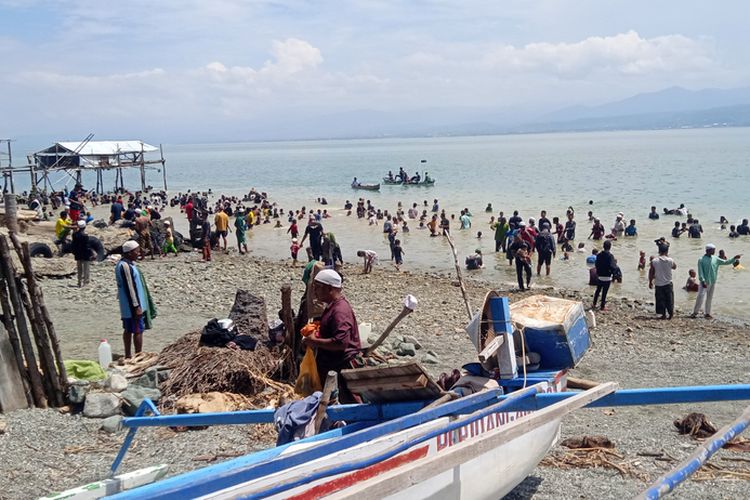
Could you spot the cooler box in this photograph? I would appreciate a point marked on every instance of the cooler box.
(554, 328)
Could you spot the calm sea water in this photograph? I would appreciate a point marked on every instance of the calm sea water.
(618, 171)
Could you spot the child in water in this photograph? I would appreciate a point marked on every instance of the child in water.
(692, 282)
(294, 248)
(642, 261)
(398, 254)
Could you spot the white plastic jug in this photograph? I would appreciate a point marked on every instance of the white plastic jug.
(365, 329)
(105, 354)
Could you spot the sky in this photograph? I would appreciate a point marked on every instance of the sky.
(223, 70)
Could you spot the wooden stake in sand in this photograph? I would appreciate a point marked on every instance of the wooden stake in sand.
(287, 316)
(460, 277)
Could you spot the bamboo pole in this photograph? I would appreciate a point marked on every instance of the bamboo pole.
(9, 273)
(10, 327)
(460, 277)
(37, 297)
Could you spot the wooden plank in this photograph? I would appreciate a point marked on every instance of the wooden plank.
(12, 395)
(371, 372)
(389, 383)
(491, 349)
(407, 476)
(331, 384)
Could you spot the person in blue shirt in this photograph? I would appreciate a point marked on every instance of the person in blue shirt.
(653, 215)
(631, 229)
(132, 297)
(591, 259)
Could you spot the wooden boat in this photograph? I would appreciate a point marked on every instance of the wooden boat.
(367, 187)
(414, 448)
(394, 182)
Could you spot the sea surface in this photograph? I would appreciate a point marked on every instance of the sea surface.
(606, 172)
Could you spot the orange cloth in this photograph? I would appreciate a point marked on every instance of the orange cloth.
(310, 328)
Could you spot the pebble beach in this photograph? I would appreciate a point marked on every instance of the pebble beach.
(629, 346)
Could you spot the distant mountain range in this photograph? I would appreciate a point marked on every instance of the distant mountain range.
(671, 108)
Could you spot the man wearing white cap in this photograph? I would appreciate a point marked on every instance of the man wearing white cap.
(708, 272)
(132, 297)
(338, 341)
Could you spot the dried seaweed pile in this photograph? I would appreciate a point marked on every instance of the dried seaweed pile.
(200, 369)
(595, 458)
(594, 452)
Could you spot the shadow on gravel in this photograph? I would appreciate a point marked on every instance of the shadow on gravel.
(525, 490)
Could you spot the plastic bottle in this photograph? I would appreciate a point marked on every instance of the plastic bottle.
(105, 354)
(365, 329)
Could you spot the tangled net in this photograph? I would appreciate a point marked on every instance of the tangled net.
(199, 369)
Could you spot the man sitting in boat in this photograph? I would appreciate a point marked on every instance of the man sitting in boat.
(337, 341)
(427, 178)
(416, 178)
(355, 183)
(402, 175)
(390, 176)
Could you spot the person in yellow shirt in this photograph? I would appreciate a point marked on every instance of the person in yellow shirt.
(62, 228)
(250, 219)
(221, 221)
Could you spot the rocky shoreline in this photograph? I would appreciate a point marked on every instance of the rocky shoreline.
(629, 346)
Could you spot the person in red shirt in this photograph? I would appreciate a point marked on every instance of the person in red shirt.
(337, 342)
(293, 229)
(189, 209)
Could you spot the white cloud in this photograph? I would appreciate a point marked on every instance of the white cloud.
(291, 56)
(625, 54)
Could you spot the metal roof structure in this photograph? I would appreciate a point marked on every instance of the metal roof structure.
(101, 148)
(74, 158)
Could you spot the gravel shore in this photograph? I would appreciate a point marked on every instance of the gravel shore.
(44, 451)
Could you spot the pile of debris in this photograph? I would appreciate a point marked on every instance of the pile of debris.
(199, 369)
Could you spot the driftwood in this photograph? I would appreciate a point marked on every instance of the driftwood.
(10, 327)
(460, 277)
(45, 321)
(290, 336)
(9, 275)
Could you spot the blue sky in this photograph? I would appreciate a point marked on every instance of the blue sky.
(189, 69)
